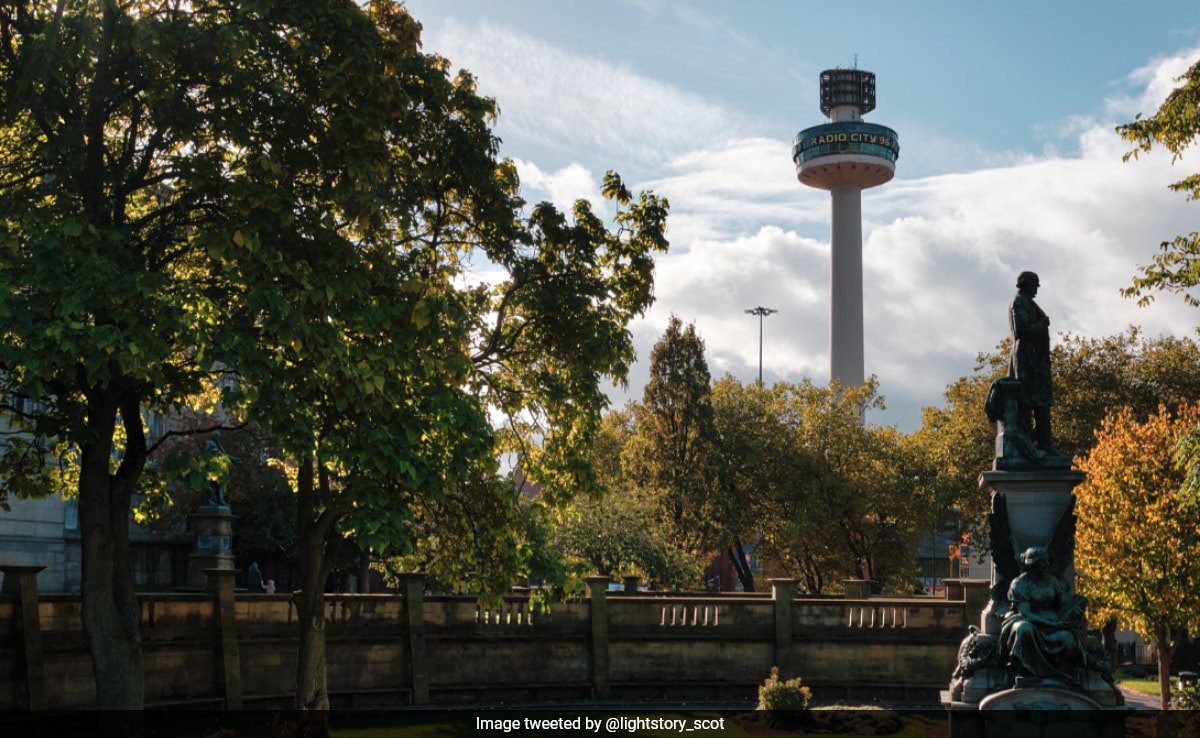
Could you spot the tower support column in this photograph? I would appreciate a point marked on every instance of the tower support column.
(846, 363)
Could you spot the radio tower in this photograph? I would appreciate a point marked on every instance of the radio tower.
(846, 156)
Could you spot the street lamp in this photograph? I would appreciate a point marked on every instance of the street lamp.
(761, 312)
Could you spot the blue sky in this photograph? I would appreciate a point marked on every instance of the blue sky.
(1005, 114)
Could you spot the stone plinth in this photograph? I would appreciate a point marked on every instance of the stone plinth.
(1036, 502)
(212, 543)
(1036, 712)
(988, 697)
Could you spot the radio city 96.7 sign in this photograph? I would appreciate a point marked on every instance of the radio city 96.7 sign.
(833, 138)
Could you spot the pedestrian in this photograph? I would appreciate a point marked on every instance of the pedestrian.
(256, 579)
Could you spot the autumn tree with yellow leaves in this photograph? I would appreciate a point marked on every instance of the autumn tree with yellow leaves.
(1138, 537)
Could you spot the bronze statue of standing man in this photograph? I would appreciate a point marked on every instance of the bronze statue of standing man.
(1029, 362)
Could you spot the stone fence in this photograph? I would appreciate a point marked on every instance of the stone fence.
(239, 650)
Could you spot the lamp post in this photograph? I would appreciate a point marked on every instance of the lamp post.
(761, 312)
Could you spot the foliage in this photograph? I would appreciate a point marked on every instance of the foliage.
(856, 500)
(1138, 540)
(613, 535)
(783, 695)
(960, 441)
(1186, 697)
(753, 459)
(612, 532)
(1097, 376)
(1092, 377)
(1174, 127)
(671, 458)
(288, 196)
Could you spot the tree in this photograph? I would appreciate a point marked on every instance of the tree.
(751, 444)
(672, 458)
(1138, 537)
(961, 441)
(613, 535)
(287, 194)
(1097, 376)
(122, 170)
(857, 498)
(1175, 127)
(1092, 378)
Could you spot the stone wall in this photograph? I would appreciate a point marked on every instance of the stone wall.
(417, 649)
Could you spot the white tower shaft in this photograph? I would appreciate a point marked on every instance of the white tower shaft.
(846, 364)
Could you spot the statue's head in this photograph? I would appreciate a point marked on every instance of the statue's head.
(1028, 282)
(1035, 557)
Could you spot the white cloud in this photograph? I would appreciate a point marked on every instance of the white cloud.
(579, 105)
(941, 255)
(941, 251)
(560, 188)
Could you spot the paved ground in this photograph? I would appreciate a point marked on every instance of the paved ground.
(1138, 700)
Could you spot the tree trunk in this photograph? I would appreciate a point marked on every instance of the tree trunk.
(311, 691)
(737, 553)
(1108, 636)
(111, 615)
(1162, 645)
(315, 528)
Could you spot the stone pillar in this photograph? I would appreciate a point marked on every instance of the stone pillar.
(857, 589)
(413, 586)
(631, 585)
(598, 600)
(220, 582)
(212, 542)
(783, 591)
(30, 682)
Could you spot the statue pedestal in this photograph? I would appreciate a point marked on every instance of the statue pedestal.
(212, 543)
(1036, 502)
(1036, 712)
(986, 698)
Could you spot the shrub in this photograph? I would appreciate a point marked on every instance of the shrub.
(784, 700)
(1185, 697)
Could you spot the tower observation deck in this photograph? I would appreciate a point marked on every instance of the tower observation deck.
(845, 156)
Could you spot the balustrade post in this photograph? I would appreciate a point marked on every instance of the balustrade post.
(598, 610)
(857, 589)
(977, 595)
(31, 665)
(418, 655)
(783, 591)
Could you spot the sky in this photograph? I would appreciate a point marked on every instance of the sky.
(1009, 161)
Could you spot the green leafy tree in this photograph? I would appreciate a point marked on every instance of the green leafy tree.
(291, 193)
(613, 533)
(962, 442)
(1174, 127)
(1138, 538)
(858, 499)
(124, 184)
(1092, 378)
(1097, 376)
(672, 458)
(755, 457)
(614, 537)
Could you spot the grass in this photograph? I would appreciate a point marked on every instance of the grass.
(1138, 680)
